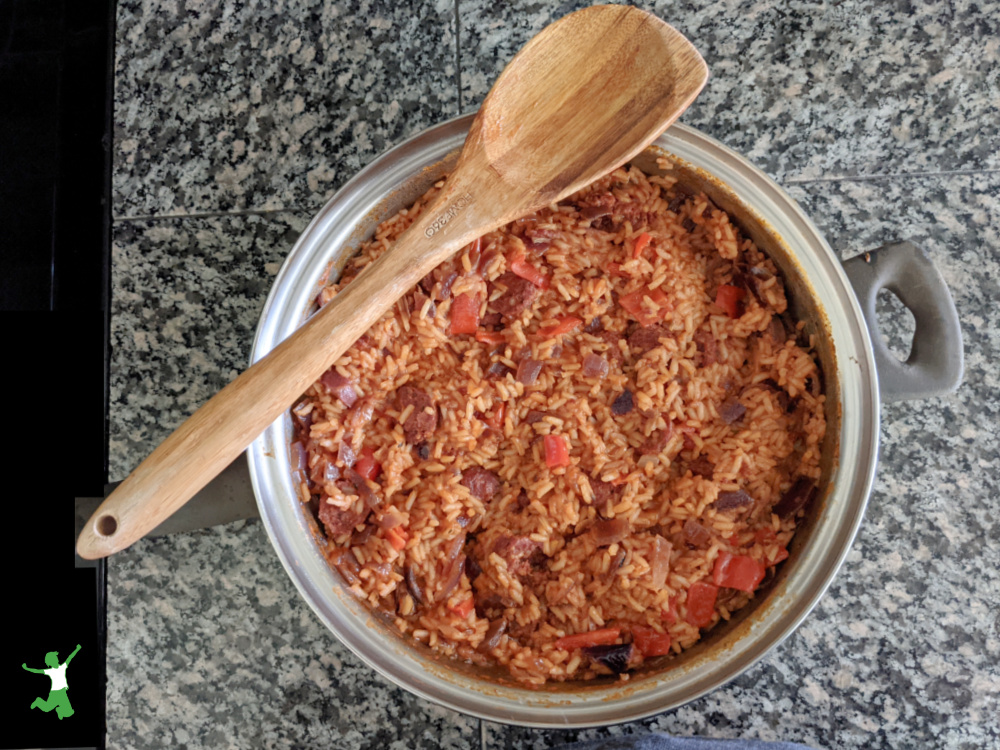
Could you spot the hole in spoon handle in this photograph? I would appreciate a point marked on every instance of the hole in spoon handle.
(106, 525)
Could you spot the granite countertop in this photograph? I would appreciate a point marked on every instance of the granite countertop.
(236, 121)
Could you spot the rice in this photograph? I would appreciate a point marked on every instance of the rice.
(593, 519)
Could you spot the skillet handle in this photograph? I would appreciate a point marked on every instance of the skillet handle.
(935, 363)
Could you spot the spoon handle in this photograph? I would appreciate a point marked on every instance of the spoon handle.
(226, 424)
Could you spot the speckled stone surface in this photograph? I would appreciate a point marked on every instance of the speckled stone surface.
(810, 89)
(226, 654)
(209, 643)
(186, 297)
(269, 104)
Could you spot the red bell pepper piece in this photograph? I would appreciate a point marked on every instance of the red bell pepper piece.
(633, 303)
(737, 572)
(366, 465)
(397, 537)
(556, 452)
(649, 642)
(463, 608)
(670, 614)
(565, 325)
(493, 338)
(728, 298)
(615, 269)
(764, 535)
(519, 264)
(464, 314)
(701, 603)
(641, 243)
(495, 420)
(603, 637)
(781, 554)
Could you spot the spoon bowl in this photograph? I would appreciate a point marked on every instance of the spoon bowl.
(588, 93)
(612, 78)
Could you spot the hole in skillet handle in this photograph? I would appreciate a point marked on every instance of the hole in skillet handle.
(896, 324)
(935, 363)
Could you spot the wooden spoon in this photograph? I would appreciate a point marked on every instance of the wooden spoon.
(583, 97)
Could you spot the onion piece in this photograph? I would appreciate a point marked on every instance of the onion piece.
(595, 212)
(361, 414)
(731, 500)
(340, 387)
(796, 498)
(623, 404)
(345, 561)
(616, 564)
(368, 496)
(776, 329)
(595, 366)
(615, 656)
(731, 410)
(419, 300)
(815, 384)
(696, 534)
(345, 454)
(388, 519)
(446, 285)
(298, 459)
(454, 575)
(493, 635)
(484, 260)
(324, 471)
(497, 370)
(416, 590)
(454, 563)
(539, 248)
(475, 251)
(527, 371)
(359, 538)
(302, 422)
(454, 548)
(755, 278)
(780, 395)
(659, 564)
(610, 531)
(472, 569)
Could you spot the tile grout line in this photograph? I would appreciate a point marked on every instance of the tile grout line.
(458, 58)
(895, 176)
(783, 181)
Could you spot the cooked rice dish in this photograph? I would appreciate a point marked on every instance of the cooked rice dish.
(576, 446)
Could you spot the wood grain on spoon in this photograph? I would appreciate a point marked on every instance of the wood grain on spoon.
(583, 97)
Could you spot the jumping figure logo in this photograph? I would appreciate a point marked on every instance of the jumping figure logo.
(57, 695)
